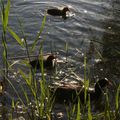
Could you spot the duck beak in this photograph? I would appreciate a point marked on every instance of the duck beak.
(69, 10)
(60, 61)
(109, 82)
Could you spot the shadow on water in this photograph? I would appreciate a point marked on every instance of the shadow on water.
(110, 66)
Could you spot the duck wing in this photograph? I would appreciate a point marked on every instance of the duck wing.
(54, 12)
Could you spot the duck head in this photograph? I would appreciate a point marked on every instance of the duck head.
(96, 93)
(65, 9)
(50, 62)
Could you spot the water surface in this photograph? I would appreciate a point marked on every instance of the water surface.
(92, 30)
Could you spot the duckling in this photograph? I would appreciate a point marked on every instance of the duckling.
(48, 62)
(71, 92)
(58, 12)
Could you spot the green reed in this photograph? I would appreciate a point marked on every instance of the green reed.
(4, 18)
(78, 117)
(117, 103)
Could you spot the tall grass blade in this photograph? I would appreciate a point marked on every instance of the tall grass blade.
(5, 14)
(28, 82)
(7, 9)
(78, 110)
(100, 55)
(25, 44)
(24, 77)
(5, 51)
(89, 109)
(13, 104)
(41, 59)
(86, 82)
(107, 109)
(117, 98)
(25, 94)
(85, 67)
(4, 57)
(39, 33)
(16, 37)
(15, 91)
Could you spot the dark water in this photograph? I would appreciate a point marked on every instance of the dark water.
(93, 27)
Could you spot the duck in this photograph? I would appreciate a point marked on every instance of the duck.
(58, 12)
(48, 62)
(69, 92)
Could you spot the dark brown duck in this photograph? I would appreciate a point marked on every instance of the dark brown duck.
(48, 62)
(70, 93)
(58, 12)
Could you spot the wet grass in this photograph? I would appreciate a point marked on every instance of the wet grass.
(39, 105)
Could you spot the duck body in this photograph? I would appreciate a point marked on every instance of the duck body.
(66, 93)
(70, 93)
(58, 12)
(48, 62)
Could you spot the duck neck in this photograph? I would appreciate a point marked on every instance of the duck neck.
(63, 12)
(49, 62)
(98, 90)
